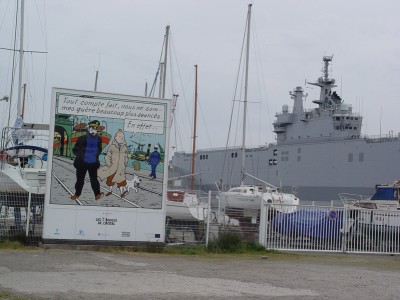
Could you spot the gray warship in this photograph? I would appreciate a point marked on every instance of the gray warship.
(318, 153)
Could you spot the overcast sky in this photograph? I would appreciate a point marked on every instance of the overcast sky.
(123, 39)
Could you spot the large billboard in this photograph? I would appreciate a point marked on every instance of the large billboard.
(107, 167)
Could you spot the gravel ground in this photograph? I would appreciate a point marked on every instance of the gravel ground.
(80, 274)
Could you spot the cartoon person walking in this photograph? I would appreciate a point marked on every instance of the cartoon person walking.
(116, 162)
(153, 161)
(87, 151)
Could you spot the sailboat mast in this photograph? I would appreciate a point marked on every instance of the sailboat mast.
(245, 96)
(164, 64)
(21, 59)
(161, 79)
(194, 129)
(23, 102)
(95, 81)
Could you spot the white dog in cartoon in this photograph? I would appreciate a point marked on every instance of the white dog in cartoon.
(133, 184)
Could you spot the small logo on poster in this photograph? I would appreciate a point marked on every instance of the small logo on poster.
(126, 234)
(57, 232)
(106, 221)
(81, 232)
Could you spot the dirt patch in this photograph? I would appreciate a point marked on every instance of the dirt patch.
(80, 274)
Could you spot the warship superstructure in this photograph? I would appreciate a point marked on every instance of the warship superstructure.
(320, 152)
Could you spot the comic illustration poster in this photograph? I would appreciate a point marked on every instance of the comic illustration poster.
(107, 167)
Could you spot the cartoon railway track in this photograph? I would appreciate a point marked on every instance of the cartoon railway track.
(143, 188)
(72, 171)
(66, 188)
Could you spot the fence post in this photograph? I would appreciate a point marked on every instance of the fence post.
(344, 233)
(208, 217)
(28, 213)
(263, 219)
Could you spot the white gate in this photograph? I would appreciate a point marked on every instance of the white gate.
(330, 229)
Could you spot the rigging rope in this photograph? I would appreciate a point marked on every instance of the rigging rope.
(233, 106)
(153, 87)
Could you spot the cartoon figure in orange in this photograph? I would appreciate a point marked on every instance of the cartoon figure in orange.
(116, 162)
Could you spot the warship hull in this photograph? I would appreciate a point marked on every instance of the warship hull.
(320, 152)
(316, 170)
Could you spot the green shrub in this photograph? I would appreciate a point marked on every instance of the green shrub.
(155, 247)
(229, 241)
(19, 236)
(253, 246)
(8, 244)
(186, 250)
(10, 296)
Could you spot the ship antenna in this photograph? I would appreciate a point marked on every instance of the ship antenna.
(341, 87)
(326, 60)
(380, 124)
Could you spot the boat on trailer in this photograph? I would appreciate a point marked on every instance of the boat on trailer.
(379, 212)
(321, 223)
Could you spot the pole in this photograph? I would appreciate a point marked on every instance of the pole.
(21, 58)
(245, 95)
(95, 81)
(23, 102)
(28, 214)
(380, 124)
(194, 129)
(160, 95)
(165, 60)
(208, 218)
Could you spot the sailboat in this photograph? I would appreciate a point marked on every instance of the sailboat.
(182, 205)
(23, 160)
(245, 200)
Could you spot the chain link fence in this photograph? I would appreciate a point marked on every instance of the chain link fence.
(21, 216)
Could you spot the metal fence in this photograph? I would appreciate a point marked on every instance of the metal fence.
(21, 216)
(220, 221)
(308, 228)
(331, 229)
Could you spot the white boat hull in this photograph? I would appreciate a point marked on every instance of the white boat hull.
(183, 212)
(8, 185)
(282, 202)
(379, 220)
(183, 206)
(22, 180)
(231, 200)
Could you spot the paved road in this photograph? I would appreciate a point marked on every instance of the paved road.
(74, 274)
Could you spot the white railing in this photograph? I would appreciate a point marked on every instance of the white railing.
(24, 147)
(331, 229)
